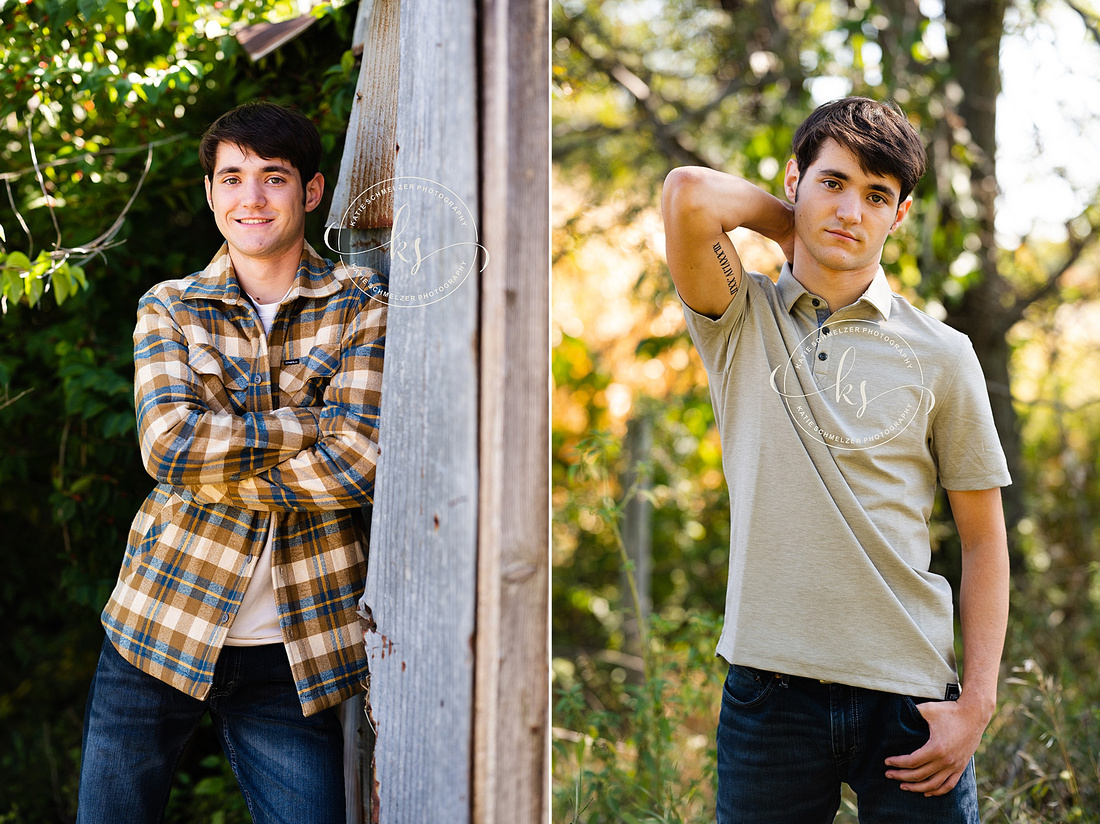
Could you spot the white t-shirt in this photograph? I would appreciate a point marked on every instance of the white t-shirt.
(257, 621)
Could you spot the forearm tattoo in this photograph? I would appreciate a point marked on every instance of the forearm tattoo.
(727, 270)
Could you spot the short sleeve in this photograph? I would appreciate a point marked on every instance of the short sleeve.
(964, 439)
(716, 338)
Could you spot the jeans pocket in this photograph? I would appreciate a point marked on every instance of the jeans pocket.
(912, 703)
(747, 688)
(911, 719)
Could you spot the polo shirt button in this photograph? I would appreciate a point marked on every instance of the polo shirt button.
(256, 378)
(815, 302)
(822, 355)
(824, 330)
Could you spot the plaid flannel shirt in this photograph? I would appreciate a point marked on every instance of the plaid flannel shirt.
(236, 425)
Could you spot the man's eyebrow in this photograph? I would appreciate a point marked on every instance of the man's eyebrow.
(883, 189)
(874, 187)
(271, 167)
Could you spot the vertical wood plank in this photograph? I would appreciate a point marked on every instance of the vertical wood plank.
(421, 581)
(512, 692)
(351, 719)
(370, 149)
(361, 236)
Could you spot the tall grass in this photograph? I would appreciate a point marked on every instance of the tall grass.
(633, 735)
(645, 752)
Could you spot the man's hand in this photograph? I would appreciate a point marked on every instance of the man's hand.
(786, 238)
(955, 730)
(956, 727)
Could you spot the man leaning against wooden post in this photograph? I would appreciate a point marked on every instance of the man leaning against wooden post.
(257, 383)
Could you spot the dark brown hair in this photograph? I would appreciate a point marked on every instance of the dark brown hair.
(266, 130)
(877, 133)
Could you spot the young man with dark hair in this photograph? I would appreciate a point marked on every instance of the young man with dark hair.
(257, 383)
(840, 407)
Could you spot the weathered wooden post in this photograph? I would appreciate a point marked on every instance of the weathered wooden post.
(421, 585)
(457, 585)
(362, 234)
(511, 757)
(361, 230)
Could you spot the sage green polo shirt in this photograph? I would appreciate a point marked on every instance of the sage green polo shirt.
(835, 431)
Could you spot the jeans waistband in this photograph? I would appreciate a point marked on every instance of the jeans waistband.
(951, 692)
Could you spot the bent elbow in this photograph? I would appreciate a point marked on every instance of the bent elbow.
(682, 189)
(166, 450)
(163, 462)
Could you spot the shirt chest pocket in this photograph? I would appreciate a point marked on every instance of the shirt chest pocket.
(303, 381)
(222, 382)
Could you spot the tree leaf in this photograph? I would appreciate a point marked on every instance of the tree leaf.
(88, 9)
(62, 283)
(19, 261)
(77, 273)
(13, 285)
(34, 288)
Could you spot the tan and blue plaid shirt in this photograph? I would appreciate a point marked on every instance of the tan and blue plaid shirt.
(236, 425)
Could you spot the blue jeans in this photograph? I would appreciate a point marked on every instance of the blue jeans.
(290, 768)
(786, 744)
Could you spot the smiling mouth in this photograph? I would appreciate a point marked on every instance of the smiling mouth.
(254, 221)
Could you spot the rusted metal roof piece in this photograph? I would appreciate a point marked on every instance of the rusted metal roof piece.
(260, 39)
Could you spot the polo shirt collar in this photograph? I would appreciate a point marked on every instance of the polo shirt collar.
(878, 294)
(218, 281)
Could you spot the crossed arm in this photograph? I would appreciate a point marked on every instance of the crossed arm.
(310, 458)
(956, 727)
(183, 441)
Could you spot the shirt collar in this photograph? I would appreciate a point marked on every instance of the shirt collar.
(315, 279)
(878, 295)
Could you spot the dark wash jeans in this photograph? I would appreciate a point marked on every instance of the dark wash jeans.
(290, 768)
(786, 744)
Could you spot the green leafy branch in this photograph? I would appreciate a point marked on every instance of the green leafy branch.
(24, 280)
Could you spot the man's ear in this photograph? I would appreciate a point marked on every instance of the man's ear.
(209, 200)
(790, 181)
(903, 210)
(314, 190)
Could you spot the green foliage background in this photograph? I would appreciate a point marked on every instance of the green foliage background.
(92, 85)
(640, 88)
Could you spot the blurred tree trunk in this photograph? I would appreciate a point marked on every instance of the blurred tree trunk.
(637, 532)
(974, 35)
